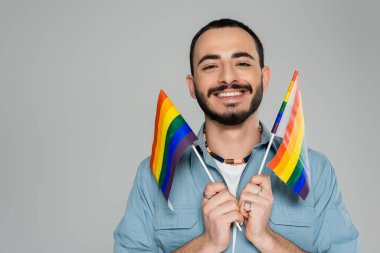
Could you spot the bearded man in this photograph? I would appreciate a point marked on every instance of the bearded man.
(228, 78)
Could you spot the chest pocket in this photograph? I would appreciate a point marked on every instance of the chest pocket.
(294, 222)
(175, 228)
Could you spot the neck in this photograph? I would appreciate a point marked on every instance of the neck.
(233, 141)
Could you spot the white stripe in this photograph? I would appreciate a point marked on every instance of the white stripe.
(288, 110)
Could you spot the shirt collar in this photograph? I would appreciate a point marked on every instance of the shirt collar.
(265, 135)
(201, 179)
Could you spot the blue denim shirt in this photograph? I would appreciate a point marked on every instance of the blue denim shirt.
(320, 223)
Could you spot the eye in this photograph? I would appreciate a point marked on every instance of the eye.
(209, 67)
(244, 64)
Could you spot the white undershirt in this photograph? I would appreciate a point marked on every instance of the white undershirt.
(231, 174)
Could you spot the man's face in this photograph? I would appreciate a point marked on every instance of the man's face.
(228, 81)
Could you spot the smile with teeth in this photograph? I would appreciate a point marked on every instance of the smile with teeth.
(230, 94)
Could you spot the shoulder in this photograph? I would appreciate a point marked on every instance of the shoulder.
(321, 168)
(317, 158)
(144, 181)
(143, 169)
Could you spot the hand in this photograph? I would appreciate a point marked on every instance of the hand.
(255, 204)
(220, 209)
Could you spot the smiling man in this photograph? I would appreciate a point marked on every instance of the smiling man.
(228, 78)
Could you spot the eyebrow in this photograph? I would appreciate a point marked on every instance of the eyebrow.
(209, 57)
(242, 54)
(217, 57)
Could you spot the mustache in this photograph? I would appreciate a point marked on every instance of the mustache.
(235, 86)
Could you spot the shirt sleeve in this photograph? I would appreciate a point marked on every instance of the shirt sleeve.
(134, 233)
(334, 230)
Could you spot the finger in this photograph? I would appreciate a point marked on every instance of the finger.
(245, 202)
(251, 200)
(219, 199)
(225, 208)
(252, 188)
(263, 181)
(257, 190)
(213, 188)
(243, 210)
(247, 196)
(233, 216)
(257, 210)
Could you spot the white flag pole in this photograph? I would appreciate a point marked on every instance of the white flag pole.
(209, 175)
(266, 154)
(203, 164)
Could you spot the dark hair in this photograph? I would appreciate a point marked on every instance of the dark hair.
(221, 23)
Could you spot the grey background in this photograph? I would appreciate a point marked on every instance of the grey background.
(78, 87)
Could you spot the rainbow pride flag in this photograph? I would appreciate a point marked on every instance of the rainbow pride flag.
(291, 162)
(172, 135)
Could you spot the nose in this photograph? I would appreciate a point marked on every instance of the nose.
(228, 74)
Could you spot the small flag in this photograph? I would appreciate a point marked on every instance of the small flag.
(291, 162)
(172, 135)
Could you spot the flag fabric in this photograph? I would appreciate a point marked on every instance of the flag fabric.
(291, 162)
(172, 135)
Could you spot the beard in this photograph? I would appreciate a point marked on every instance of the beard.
(232, 117)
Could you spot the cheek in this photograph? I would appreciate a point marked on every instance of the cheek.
(252, 73)
(206, 81)
(250, 77)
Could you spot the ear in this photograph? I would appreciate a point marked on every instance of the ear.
(266, 77)
(190, 85)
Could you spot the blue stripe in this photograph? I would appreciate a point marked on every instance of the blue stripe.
(301, 181)
(176, 139)
(277, 122)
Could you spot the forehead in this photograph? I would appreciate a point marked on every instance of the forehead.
(225, 40)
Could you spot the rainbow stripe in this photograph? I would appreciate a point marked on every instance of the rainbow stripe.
(172, 135)
(291, 162)
(283, 106)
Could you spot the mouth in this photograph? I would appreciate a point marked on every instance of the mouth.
(235, 90)
(230, 94)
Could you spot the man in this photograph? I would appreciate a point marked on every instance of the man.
(228, 77)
